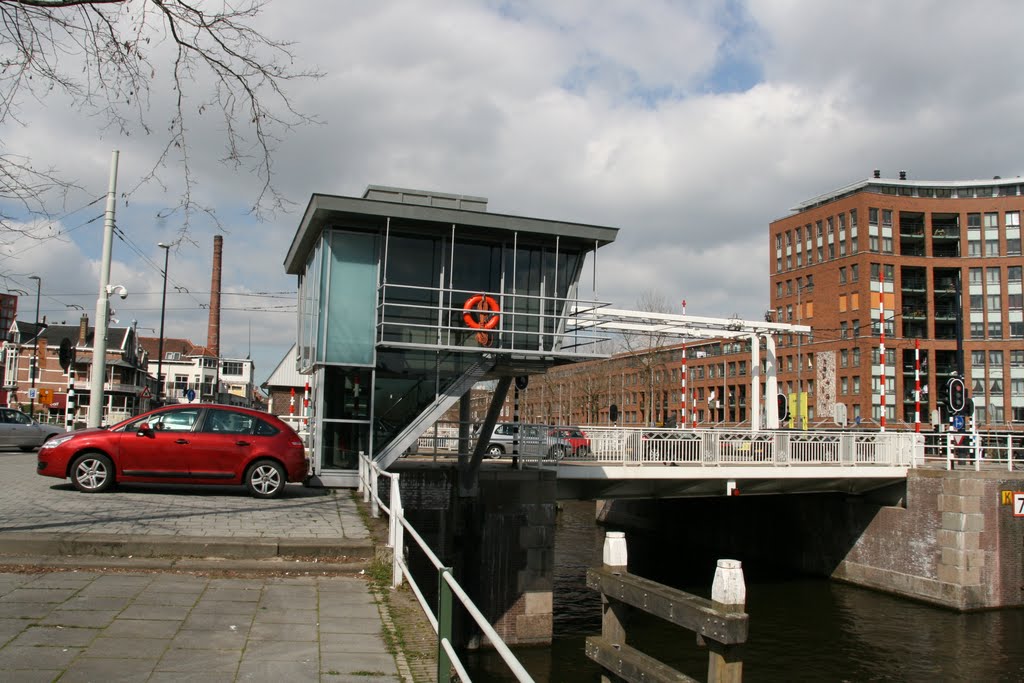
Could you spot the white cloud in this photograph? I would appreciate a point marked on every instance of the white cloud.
(626, 115)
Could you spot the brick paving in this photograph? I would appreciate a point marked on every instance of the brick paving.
(115, 618)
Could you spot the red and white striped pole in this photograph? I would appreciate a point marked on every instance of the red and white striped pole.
(305, 405)
(881, 344)
(682, 381)
(917, 385)
(693, 413)
(291, 403)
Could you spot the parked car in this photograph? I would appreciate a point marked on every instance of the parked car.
(501, 439)
(570, 441)
(538, 440)
(18, 430)
(182, 444)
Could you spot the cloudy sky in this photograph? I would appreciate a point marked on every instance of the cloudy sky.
(688, 125)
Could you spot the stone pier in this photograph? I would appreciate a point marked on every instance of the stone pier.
(500, 544)
(947, 538)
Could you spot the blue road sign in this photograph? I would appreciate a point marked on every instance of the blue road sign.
(958, 422)
(190, 394)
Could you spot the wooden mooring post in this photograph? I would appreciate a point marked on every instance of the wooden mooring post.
(720, 623)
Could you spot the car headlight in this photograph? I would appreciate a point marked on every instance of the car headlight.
(56, 441)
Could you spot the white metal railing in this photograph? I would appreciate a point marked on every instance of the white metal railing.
(370, 475)
(981, 450)
(722, 448)
(433, 317)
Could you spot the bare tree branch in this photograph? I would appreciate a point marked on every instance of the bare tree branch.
(103, 55)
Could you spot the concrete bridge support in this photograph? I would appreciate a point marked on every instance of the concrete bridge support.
(947, 538)
(956, 543)
(500, 543)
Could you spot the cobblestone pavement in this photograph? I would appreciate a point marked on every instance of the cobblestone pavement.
(32, 503)
(104, 619)
(77, 626)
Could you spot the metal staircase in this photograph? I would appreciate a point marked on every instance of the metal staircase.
(445, 400)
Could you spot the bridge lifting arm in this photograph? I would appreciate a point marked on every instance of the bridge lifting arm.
(468, 472)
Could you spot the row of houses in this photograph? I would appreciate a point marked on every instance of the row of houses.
(190, 373)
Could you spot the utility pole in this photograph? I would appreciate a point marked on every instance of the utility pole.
(34, 367)
(99, 342)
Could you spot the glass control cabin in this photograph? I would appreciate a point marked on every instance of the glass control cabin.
(408, 298)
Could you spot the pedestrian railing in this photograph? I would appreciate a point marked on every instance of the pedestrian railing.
(720, 623)
(370, 475)
(628, 446)
(977, 451)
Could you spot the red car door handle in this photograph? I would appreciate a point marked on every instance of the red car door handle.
(181, 441)
(242, 443)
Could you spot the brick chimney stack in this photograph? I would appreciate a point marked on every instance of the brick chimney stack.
(83, 331)
(213, 332)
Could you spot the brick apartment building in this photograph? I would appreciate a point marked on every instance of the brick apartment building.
(943, 257)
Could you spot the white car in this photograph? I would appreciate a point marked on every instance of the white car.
(18, 430)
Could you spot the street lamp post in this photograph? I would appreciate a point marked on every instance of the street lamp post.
(35, 353)
(160, 346)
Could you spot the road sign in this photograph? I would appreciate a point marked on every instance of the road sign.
(46, 396)
(190, 394)
(145, 393)
(33, 394)
(958, 422)
(1018, 503)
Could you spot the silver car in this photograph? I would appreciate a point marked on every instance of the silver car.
(18, 430)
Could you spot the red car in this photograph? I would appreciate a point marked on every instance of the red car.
(181, 444)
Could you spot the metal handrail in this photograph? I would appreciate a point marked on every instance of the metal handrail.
(369, 475)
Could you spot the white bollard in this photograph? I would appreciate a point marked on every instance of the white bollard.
(615, 549)
(728, 587)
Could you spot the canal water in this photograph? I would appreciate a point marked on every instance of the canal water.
(801, 629)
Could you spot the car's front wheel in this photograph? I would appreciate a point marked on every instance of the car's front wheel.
(92, 473)
(557, 452)
(495, 451)
(265, 479)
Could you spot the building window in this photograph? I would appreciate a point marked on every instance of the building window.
(854, 272)
(844, 358)
(977, 301)
(995, 359)
(856, 358)
(842, 275)
(844, 386)
(1013, 273)
(994, 302)
(974, 276)
(995, 329)
(231, 367)
(844, 332)
(1012, 233)
(974, 234)
(1016, 330)
(992, 278)
(856, 328)
(977, 330)
(992, 234)
(856, 390)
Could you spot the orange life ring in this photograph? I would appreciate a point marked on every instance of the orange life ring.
(480, 302)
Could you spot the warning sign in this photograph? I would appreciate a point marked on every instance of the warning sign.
(145, 393)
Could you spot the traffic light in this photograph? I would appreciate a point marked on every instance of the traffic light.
(783, 407)
(956, 396)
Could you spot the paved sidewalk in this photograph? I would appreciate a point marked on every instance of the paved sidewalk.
(122, 599)
(43, 514)
(93, 626)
